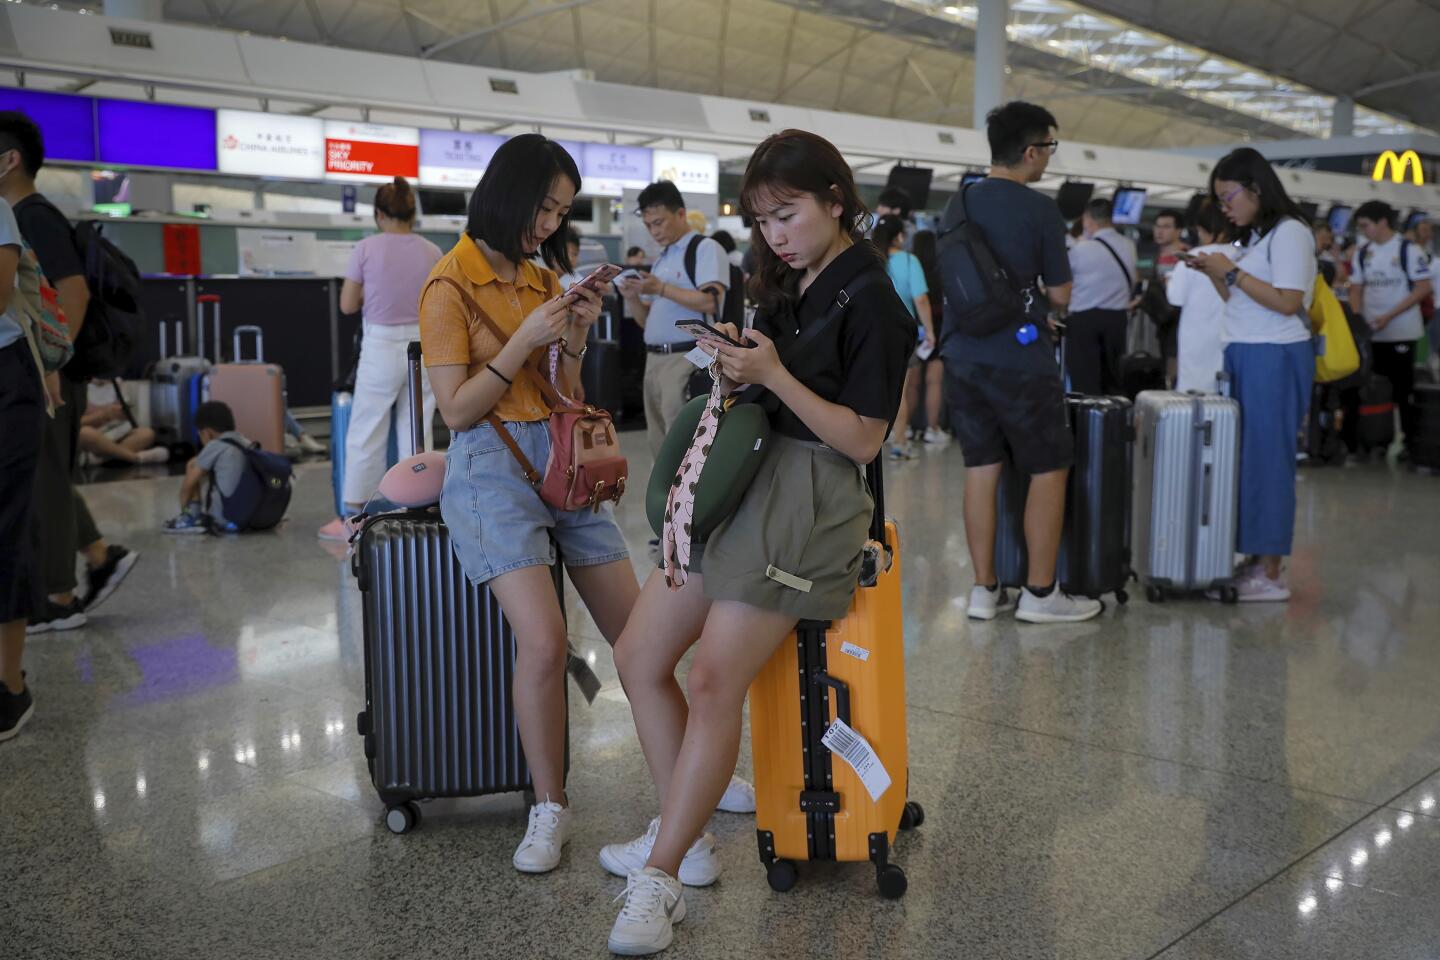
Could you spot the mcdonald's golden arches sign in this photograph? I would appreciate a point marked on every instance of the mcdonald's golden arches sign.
(1398, 166)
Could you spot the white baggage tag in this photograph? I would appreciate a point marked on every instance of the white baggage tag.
(859, 653)
(699, 357)
(855, 750)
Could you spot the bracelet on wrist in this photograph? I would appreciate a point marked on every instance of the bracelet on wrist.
(508, 381)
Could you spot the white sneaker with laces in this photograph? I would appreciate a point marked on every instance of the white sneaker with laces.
(700, 868)
(1259, 588)
(545, 838)
(1058, 607)
(936, 438)
(739, 797)
(654, 903)
(987, 604)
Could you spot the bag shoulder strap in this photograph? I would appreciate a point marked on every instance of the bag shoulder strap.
(551, 394)
(1405, 262)
(1118, 260)
(692, 254)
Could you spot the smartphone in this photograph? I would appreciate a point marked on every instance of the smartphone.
(1185, 256)
(701, 328)
(597, 279)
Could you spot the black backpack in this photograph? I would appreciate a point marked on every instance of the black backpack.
(734, 309)
(263, 494)
(981, 297)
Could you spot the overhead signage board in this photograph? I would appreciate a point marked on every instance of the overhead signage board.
(370, 152)
(67, 122)
(455, 158)
(691, 172)
(270, 144)
(609, 169)
(142, 134)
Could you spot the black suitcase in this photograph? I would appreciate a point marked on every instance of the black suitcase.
(1324, 437)
(1095, 544)
(1375, 420)
(1425, 445)
(439, 720)
(1140, 372)
(600, 376)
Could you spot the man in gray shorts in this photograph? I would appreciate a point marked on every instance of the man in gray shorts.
(220, 463)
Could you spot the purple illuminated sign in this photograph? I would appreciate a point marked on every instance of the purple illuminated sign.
(66, 122)
(612, 162)
(452, 158)
(155, 135)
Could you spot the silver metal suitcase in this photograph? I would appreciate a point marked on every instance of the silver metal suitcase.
(1187, 459)
(174, 393)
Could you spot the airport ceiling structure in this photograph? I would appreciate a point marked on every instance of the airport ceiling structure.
(1135, 73)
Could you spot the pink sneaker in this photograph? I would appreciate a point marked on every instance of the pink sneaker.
(337, 530)
(1258, 588)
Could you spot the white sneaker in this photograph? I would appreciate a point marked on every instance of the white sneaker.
(1058, 607)
(1258, 588)
(936, 438)
(309, 444)
(700, 868)
(654, 903)
(546, 836)
(739, 797)
(987, 604)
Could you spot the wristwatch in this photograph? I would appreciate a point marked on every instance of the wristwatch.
(565, 349)
(1233, 277)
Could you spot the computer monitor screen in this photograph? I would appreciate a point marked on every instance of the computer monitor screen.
(442, 203)
(1129, 205)
(915, 181)
(1072, 197)
(1339, 218)
(970, 178)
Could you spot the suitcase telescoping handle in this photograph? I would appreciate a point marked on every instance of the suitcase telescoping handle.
(875, 477)
(417, 400)
(259, 344)
(179, 327)
(200, 302)
(821, 679)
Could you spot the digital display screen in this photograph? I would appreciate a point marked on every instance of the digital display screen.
(270, 144)
(155, 135)
(66, 122)
(1129, 205)
(1339, 219)
(371, 152)
(970, 178)
(455, 158)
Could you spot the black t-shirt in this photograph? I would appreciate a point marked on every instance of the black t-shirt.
(51, 236)
(1027, 234)
(860, 360)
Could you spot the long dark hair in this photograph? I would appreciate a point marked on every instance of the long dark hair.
(787, 164)
(1247, 167)
(510, 196)
(923, 246)
(887, 229)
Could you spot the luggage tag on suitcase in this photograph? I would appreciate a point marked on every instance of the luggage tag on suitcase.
(847, 744)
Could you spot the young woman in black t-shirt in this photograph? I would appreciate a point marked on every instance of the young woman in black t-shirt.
(792, 548)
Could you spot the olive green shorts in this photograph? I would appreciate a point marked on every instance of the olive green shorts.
(794, 544)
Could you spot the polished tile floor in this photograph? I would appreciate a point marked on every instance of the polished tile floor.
(1182, 781)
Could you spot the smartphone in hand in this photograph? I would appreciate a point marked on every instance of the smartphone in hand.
(596, 281)
(703, 328)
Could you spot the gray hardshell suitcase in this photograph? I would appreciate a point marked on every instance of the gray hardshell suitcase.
(1187, 458)
(439, 720)
(174, 391)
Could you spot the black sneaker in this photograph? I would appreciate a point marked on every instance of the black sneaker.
(15, 711)
(58, 616)
(105, 578)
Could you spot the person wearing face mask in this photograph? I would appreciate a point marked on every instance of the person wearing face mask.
(806, 514)
(1267, 286)
(386, 274)
(503, 534)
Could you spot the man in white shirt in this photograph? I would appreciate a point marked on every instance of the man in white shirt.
(1104, 267)
(1389, 277)
(671, 292)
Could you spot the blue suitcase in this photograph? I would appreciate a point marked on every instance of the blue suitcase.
(340, 404)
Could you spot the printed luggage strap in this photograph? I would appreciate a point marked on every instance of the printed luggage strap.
(552, 396)
(680, 503)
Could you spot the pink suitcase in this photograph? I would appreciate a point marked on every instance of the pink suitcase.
(254, 390)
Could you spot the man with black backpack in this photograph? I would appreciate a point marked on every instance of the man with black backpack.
(1003, 266)
(690, 279)
(73, 264)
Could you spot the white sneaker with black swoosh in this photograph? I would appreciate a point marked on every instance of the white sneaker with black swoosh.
(654, 903)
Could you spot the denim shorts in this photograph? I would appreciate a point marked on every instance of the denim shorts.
(497, 521)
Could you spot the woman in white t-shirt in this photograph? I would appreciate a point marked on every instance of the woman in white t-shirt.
(1269, 356)
(1202, 309)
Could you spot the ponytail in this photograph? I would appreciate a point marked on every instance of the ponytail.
(396, 200)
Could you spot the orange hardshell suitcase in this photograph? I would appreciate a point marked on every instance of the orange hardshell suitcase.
(811, 805)
(253, 389)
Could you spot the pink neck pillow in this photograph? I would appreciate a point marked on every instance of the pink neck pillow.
(415, 481)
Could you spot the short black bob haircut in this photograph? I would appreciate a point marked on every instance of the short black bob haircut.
(214, 415)
(19, 132)
(661, 193)
(1011, 130)
(1377, 210)
(1249, 168)
(510, 196)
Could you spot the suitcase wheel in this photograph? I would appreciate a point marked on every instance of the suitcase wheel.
(402, 817)
(1122, 597)
(912, 817)
(362, 723)
(1155, 593)
(1229, 595)
(892, 882)
(783, 875)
